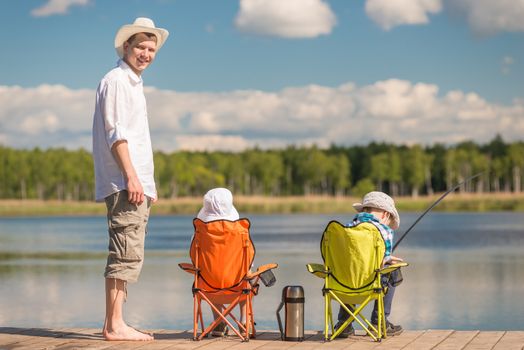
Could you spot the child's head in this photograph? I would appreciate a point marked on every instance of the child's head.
(218, 204)
(381, 206)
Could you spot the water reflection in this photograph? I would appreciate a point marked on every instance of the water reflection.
(461, 276)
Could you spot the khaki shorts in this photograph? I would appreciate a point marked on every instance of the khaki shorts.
(127, 230)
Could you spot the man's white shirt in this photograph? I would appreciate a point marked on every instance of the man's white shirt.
(121, 114)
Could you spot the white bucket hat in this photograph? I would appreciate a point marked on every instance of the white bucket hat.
(141, 25)
(380, 200)
(218, 205)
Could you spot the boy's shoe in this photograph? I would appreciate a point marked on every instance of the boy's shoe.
(348, 331)
(221, 330)
(391, 329)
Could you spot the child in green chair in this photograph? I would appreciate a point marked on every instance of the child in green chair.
(380, 208)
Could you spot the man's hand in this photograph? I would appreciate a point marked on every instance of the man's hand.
(135, 191)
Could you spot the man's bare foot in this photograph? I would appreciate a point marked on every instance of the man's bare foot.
(127, 333)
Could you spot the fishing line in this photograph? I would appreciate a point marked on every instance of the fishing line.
(432, 206)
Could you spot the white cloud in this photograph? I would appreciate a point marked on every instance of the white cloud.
(398, 99)
(212, 142)
(288, 19)
(57, 7)
(488, 17)
(388, 14)
(43, 121)
(46, 116)
(395, 111)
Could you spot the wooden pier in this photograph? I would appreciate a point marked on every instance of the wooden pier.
(79, 338)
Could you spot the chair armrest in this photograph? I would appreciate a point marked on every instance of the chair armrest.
(318, 270)
(189, 268)
(261, 269)
(392, 267)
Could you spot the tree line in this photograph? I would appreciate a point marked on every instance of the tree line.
(339, 170)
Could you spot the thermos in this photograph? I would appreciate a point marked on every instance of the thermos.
(293, 299)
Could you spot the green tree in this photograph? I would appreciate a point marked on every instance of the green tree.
(379, 170)
(362, 187)
(416, 164)
(516, 159)
(265, 170)
(338, 174)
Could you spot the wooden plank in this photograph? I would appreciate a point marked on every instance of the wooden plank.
(10, 335)
(457, 340)
(428, 340)
(47, 339)
(484, 340)
(11, 340)
(400, 341)
(511, 341)
(317, 341)
(262, 339)
(84, 338)
(31, 338)
(132, 345)
(360, 343)
(390, 343)
(166, 338)
(272, 341)
(78, 338)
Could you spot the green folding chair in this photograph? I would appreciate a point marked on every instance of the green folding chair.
(352, 273)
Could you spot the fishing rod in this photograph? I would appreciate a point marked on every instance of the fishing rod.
(432, 206)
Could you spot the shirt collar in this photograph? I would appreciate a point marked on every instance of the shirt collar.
(134, 77)
(365, 217)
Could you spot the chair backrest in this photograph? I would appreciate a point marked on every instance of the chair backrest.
(352, 255)
(223, 252)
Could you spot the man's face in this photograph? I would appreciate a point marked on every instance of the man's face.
(140, 52)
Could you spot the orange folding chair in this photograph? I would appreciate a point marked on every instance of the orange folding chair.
(221, 254)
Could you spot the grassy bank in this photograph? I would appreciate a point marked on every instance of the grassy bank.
(273, 205)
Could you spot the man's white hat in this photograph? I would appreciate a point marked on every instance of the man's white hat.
(141, 25)
(218, 205)
(380, 200)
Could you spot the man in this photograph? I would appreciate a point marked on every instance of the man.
(123, 160)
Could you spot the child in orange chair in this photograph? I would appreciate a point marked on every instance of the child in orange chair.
(218, 205)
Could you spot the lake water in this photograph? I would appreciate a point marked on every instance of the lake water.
(466, 271)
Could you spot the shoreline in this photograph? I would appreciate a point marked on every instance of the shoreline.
(272, 205)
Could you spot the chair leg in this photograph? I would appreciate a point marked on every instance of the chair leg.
(356, 315)
(251, 319)
(246, 322)
(223, 318)
(382, 318)
(327, 315)
(196, 315)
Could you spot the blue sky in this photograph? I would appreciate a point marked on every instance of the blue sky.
(239, 73)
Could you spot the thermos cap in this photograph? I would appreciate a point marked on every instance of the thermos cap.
(293, 292)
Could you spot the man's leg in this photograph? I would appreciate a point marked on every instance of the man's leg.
(114, 326)
(127, 228)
